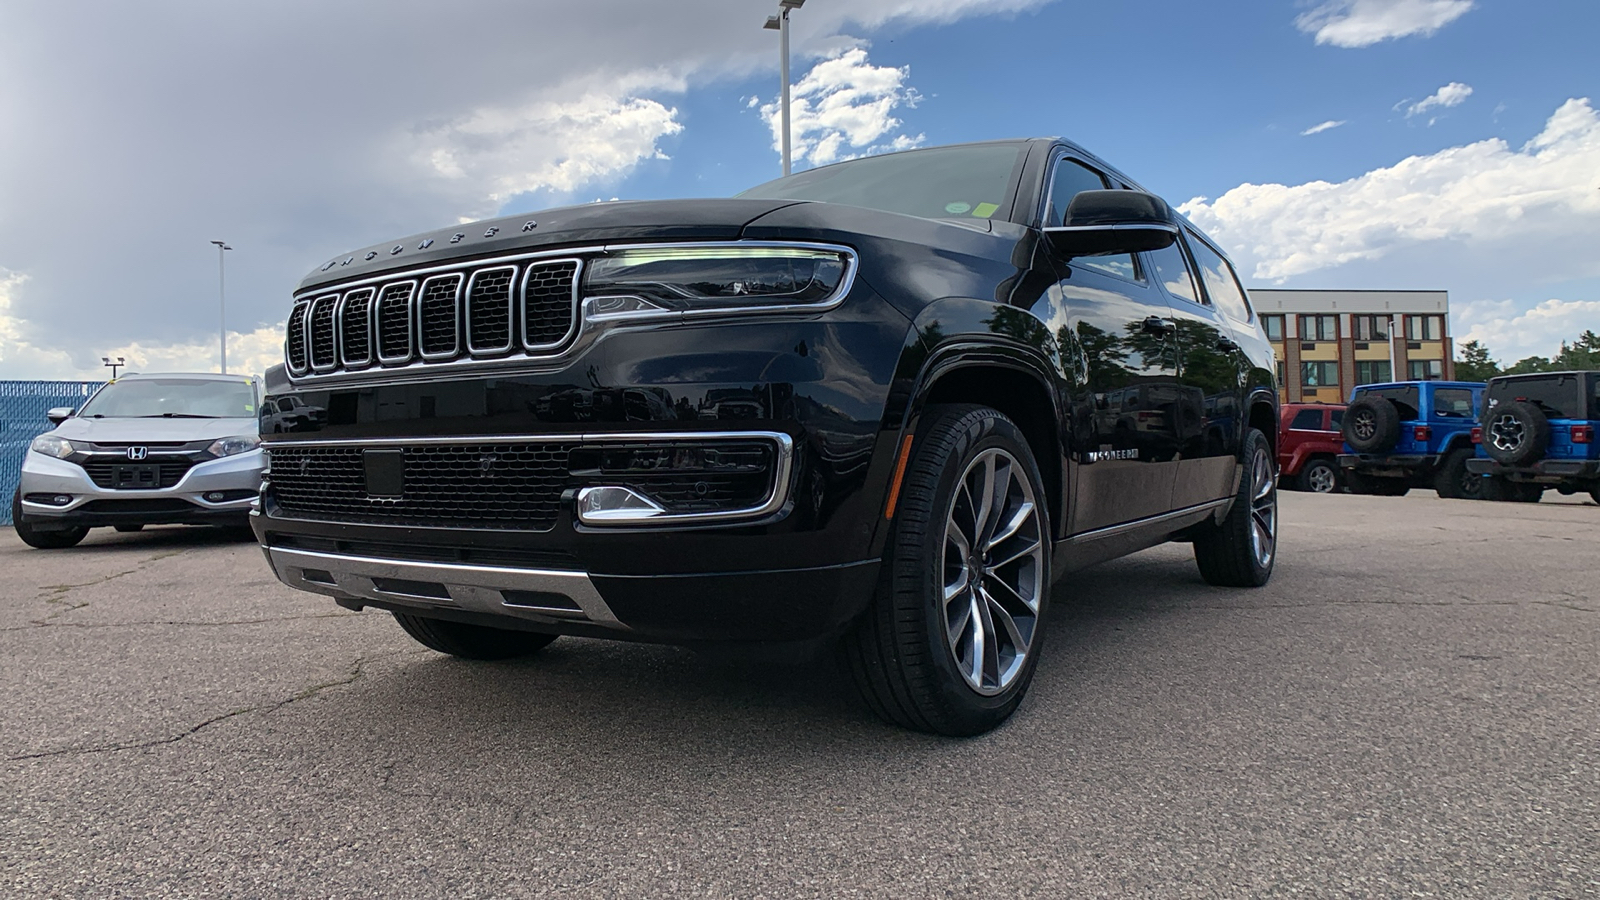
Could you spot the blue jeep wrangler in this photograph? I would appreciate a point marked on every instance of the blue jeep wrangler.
(1539, 431)
(1408, 434)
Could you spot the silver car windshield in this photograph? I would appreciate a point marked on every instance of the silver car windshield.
(190, 398)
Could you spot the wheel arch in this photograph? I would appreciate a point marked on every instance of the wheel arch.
(1263, 417)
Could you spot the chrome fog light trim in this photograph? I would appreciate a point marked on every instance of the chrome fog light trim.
(611, 503)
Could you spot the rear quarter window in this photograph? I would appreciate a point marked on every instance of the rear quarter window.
(1406, 399)
(1452, 403)
(1307, 420)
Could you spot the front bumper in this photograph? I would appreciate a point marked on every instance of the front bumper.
(1545, 471)
(236, 477)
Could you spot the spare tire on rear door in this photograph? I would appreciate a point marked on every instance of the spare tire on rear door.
(1515, 433)
(1371, 425)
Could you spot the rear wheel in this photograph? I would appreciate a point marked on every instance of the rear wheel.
(42, 538)
(951, 640)
(1241, 549)
(472, 641)
(1319, 477)
(1454, 482)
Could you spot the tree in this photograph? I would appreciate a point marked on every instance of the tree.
(1584, 353)
(1475, 363)
(1531, 365)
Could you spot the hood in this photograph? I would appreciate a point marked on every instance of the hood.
(153, 431)
(666, 220)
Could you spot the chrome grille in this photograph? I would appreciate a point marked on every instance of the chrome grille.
(324, 349)
(394, 322)
(355, 328)
(294, 344)
(548, 304)
(489, 310)
(438, 317)
(486, 312)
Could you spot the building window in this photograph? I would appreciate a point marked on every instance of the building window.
(1283, 373)
(1375, 372)
(1424, 328)
(1426, 369)
(1370, 328)
(1273, 326)
(1319, 374)
(1319, 328)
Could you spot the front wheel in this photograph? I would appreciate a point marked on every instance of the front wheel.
(951, 640)
(1240, 550)
(472, 641)
(40, 538)
(1454, 482)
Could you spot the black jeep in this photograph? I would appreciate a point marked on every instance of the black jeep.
(887, 403)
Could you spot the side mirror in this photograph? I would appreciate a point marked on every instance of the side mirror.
(59, 414)
(1099, 223)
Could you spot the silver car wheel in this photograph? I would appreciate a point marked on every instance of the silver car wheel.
(1322, 480)
(1263, 509)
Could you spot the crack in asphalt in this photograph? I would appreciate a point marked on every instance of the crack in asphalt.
(304, 694)
(55, 594)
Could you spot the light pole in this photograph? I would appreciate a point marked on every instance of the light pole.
(222, 306)
(780, 24)
(106, 360)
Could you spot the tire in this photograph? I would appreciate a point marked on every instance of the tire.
(1454, 482)
(472, 641)
(48, 539)
(1371, 425)
(908, 667)
(1319, 477)
(128, 528)
(1241, 550)
(1515, 433)
(1503, 490)
(1594, 494)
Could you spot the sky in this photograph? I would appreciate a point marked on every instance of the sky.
(1384, 144)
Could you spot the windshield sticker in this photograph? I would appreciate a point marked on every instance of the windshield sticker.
(984, 210)
(957, 208)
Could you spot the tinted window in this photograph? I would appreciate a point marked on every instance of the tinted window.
(1452, 403)
(1070, 179)
(174, 397)
(1557, 396)
(1307, 420)
(944, 183)
(1406, 399)
(1220, 281)
(1338, 419)
(1172, 270)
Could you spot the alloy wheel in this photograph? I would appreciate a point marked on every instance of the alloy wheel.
(1507, 433)
(1322, 480)
(1365, 425)
(992, 572)
(1263, 509)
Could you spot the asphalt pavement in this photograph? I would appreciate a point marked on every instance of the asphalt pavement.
(1410, 708)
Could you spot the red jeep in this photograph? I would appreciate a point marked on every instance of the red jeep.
(1309, 444)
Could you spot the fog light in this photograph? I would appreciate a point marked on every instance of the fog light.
(48, 499)
(615, 504)
(61, 499)
(216, 497)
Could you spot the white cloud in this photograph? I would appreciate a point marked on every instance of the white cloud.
(1325, 126)
(1362, 23)
(845, 104)
(1475, 208)
(1453, 94)
(1515, 331)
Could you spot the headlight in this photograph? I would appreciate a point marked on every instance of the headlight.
(652, 282)
(230, 446)
(50, 445)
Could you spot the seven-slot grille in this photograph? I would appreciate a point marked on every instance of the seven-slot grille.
(477, 313)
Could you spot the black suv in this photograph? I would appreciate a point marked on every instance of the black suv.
(887, 402)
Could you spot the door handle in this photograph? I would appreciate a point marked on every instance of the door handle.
(1158, 325)
(1227, 344)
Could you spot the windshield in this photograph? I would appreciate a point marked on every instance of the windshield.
(1558, 396)
(173, 397)
(944, 183)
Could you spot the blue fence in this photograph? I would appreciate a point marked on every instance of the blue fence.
(22, 408)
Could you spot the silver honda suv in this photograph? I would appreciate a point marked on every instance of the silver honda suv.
(144, 450)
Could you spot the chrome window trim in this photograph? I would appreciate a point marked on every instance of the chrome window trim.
(302, 309)
(777, 494)
(511, 309)
(344, 304)
(577, 296)
(416, 312)
(311, 331)
(410, 320)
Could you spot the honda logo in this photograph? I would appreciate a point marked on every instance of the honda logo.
(138, 452)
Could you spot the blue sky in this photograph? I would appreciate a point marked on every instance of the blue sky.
(183, 123)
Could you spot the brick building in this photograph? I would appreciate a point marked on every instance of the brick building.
(1328, 342)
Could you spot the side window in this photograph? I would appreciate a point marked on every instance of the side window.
(1338, 420)
(1070, 179)
(1307, 420)
(1452, 403)
(1220, 281)
(1172, 270)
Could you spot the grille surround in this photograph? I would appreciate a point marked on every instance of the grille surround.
(551, 304)
(481, 314)
(392, 310)
(355, 318)
(295, 354)
(170, 471)
(322, 333)
(438, 309)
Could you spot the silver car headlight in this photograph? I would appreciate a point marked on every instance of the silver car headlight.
(232, 446)
(50, 445)
(664, 281)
